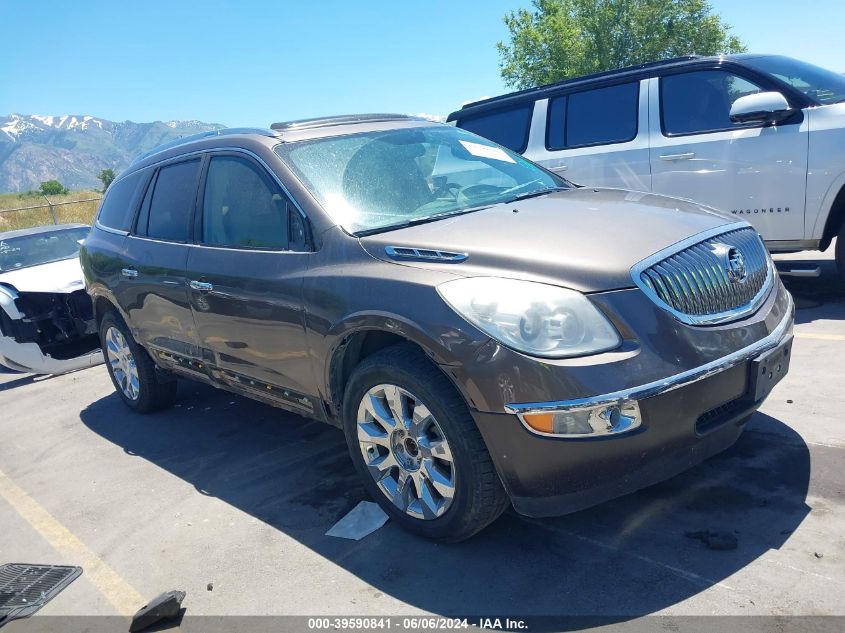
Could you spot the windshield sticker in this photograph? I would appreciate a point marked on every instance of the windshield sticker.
(487, 151)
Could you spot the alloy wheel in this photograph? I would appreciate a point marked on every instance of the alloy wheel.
(122, 363)
(406, 451)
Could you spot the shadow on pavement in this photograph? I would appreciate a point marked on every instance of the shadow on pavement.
(25, 379)
(623, 558)
(820, 297)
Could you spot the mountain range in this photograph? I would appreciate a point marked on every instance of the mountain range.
(73, 149)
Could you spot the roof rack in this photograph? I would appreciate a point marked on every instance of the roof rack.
(345, 119)
(201, 135)
(582, 78)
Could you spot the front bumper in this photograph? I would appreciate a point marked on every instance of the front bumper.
(28, 357)
(686, 418)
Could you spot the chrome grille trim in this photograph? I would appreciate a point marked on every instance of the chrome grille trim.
(690, 281)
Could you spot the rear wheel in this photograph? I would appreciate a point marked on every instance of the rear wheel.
(132, 371)
(417, 448)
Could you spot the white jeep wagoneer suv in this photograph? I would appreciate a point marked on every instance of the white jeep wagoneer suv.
(758, 136)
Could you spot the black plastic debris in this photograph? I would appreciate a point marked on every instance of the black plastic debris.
(26, 588)
(715, 539)
(167, 606)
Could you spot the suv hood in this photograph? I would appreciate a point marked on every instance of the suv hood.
(63, 276)
(585, 239)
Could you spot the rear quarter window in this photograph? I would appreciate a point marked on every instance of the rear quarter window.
(506, 127)
(118, 207)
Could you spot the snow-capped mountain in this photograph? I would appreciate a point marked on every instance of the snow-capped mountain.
(73, 149)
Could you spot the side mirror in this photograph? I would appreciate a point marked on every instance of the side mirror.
(763, 107)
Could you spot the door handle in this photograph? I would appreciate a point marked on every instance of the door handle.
(684, 156)
(131, 273)
(202, 286)
(561, 168)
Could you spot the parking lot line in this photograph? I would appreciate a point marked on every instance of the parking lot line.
(820, 337)
(123, 597)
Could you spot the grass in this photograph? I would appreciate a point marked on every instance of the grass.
(66, 213)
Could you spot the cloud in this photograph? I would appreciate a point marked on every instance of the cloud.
(474, 100)
(440, 118)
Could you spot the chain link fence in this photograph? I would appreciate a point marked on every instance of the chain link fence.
(65, 212)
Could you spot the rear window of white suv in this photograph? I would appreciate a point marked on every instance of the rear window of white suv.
(508, 127)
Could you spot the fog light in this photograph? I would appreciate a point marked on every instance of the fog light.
(591, 421)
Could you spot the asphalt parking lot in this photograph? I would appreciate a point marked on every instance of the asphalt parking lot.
(226, 491)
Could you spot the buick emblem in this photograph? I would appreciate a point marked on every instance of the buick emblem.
(733, 262)
(736, 266)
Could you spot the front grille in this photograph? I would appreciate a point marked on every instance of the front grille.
(719, 278)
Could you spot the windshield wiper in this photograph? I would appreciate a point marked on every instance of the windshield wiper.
(421, 220)
(535, 193)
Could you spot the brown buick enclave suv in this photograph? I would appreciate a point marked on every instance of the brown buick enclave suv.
(484, 332)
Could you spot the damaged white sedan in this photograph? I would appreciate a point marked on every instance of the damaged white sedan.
(46, 317)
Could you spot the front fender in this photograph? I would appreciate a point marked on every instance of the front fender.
(450, 344)
(99, 293)
(819, 231)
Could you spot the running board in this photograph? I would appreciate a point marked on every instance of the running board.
(790, 269)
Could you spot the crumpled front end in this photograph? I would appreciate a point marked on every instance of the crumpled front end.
(47, 332)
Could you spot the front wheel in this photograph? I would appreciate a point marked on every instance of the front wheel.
(417, 448)
(132, 371)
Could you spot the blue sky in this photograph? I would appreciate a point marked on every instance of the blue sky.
(254, 62)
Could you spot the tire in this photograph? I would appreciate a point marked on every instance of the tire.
(131, 369)
(477, 496)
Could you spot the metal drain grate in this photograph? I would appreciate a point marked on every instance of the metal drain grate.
(26, 588)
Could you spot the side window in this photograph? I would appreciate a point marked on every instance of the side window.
(167, 211)
(118, 207)
(242, 206)
(505, 127)
(594, 117)
(691, 103)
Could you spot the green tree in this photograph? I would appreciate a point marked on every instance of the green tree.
(106, 177)
(560, 39)
(52, 188)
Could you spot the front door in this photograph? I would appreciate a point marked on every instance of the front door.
(245, 278)
(758, 173)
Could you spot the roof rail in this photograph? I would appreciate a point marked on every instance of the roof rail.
(326, 121)
(571, 80)
(182, 140)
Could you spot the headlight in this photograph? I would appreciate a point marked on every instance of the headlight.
(538, 319)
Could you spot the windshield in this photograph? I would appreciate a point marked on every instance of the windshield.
(40, 248)
(819, 84)
(375, 181)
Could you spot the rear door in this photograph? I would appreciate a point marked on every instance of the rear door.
(245, 277)
(153, 287)
(756, 172)
(595, 137)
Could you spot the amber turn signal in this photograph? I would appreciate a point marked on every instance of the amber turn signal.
(542, 422)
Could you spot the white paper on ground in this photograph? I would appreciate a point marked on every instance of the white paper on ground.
(363, 519)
